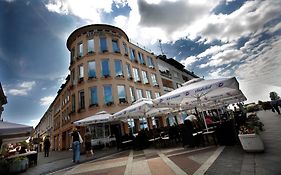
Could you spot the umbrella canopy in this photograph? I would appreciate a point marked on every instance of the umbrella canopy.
(100, 117)
(204, 90)
(202, 94)
(13, 132)
(141, 108)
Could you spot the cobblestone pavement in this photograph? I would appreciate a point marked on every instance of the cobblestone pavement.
(233, 160)
(150, 162)
(62, 159)
(210, 160)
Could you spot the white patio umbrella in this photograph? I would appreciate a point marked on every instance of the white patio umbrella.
(142, 108)
(199, 93)
(100, 117)
(13, 132)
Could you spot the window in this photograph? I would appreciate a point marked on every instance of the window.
(136, 75)
(139, 94)
(91, 46)
(80, 50)
(125, 48)
(154, 80)
(103, 45)
(73, 103)
(144, 77)
(81, 72)
(105, 68)
(115, 46)
(129, 73)
(81, 99)
(132, 94)
(118, 68)
(148, 94)
(93, 96)
(108, 99)
(132, 55)
(121, 93)
(92, 69)
(72, 53)
(155, 122)
(141, 58)
(150, 62)
(157, 94)
(143, 123)
(176, 74)
(131, 125)
(72, 75)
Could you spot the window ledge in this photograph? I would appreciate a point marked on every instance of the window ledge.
(81, 110)
(92, 78)
(94, 105)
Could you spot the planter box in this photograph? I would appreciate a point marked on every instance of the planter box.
(251, 142)
(18, 166)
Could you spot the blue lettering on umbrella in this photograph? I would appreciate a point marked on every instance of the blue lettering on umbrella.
(203, 88)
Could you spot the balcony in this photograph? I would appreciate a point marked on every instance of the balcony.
(122, 101)
(92, 78)
(120, 76)
(106, 76)
(109, 103)
(167, 89)
(81, 80)
(94, 105)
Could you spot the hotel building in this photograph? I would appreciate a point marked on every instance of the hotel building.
(107, 73)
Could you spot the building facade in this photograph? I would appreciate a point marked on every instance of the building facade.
(107, 73)
(3, 100)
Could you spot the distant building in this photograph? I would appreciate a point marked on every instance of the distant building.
(173, 74)
(3, 101)
(107, 73)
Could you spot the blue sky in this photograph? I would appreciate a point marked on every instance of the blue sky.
(210, 37)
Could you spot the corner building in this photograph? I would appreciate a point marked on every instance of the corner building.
(107, 73)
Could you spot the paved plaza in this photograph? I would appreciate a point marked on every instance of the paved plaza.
(211, 160)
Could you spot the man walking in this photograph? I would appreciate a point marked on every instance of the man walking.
(47, 145)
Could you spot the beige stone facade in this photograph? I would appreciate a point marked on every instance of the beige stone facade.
(107, 73)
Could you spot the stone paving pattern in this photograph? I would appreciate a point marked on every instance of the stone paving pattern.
(210, 160)
(234, 160)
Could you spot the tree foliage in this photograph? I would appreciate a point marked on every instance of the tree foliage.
(274, 96)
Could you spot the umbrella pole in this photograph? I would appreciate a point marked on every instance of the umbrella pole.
(201, 107)
(104, 135)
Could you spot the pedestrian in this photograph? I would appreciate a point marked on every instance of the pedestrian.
(47, 145)
(76, 145)
(88, 146)
(274, 104)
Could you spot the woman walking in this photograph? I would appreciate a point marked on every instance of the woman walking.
(75, 145)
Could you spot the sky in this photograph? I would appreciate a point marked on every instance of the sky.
(212, 38)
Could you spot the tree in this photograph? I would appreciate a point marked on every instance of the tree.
(274, 96)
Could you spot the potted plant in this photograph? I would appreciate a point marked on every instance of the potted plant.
(18, 164)
(249, 134)
(4, 166)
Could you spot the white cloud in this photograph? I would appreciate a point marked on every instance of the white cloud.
(10, 1)
(224, 57)
(46, 101)
(22, 89)
(88, 10)
(188, 61)
(262, 74)
(33, 122)
(219, 73)
(250, 18)
(171, 20)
